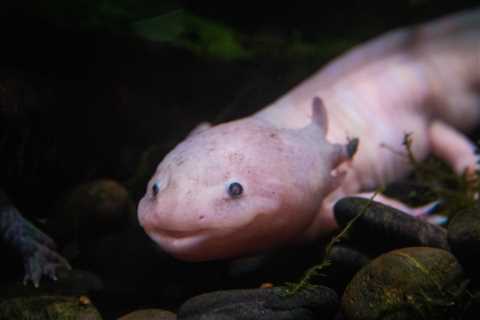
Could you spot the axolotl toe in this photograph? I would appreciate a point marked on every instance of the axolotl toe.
(272, 178)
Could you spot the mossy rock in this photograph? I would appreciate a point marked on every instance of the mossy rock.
(409, 283)
(48, 308)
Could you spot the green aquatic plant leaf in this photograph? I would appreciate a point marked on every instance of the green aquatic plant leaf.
(315, 271)
(457, 192)
(200, 35)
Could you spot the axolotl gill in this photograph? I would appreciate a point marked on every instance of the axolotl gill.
(272, 178)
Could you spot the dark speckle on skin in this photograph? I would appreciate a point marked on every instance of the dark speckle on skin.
(210, 149)
(201, 217)
(178, 159)
(235, 156)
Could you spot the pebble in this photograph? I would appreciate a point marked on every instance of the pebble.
(149, 314)
(261, 304)
(382, 228)
(345, 263)
(69, 282)
(91, 210)
(464, 238)
(409, 283)
(47, 308)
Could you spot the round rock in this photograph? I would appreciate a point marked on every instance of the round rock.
(345, 263)
(382, 228)
(464, 237)
(149, 314)
(48, 307)
(409, 283)
(261, 304)
(92, 209)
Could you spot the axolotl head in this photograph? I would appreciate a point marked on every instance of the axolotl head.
(240, 187)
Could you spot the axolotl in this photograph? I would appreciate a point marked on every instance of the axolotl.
(272, 178)
(37, 249)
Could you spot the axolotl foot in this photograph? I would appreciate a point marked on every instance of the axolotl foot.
(425, 212)
(37, 249)
(41, 259)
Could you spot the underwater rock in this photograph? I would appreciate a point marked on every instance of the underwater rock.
(91, 210)
(149, 314)
(261, 304)
(464, 238)
(409, 283)
(69, 282)
(381, 228)
(345, 263)
(343, 255)
(274, 265)
(77, 282)
(48, 308)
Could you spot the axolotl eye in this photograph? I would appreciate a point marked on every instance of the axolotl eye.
(155, 188)
(235, 189)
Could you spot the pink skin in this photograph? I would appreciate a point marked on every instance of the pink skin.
(292, 158)
(192, 215)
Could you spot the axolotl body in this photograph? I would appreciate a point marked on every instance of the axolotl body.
(272, 178)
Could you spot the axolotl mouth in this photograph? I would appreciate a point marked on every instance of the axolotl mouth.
(178, 241)
(195, 245)
(181, 240)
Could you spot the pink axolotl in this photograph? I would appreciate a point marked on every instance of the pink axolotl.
(272, 178)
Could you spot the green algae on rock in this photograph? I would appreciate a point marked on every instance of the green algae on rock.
(409, 283)
(48, 308)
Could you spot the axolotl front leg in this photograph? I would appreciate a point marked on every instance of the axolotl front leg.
(36, 248)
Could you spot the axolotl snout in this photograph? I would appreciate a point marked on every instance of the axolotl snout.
(238, 187)
(272, 178)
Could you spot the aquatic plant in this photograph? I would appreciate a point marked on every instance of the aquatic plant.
(315, 271)
(456, 192)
